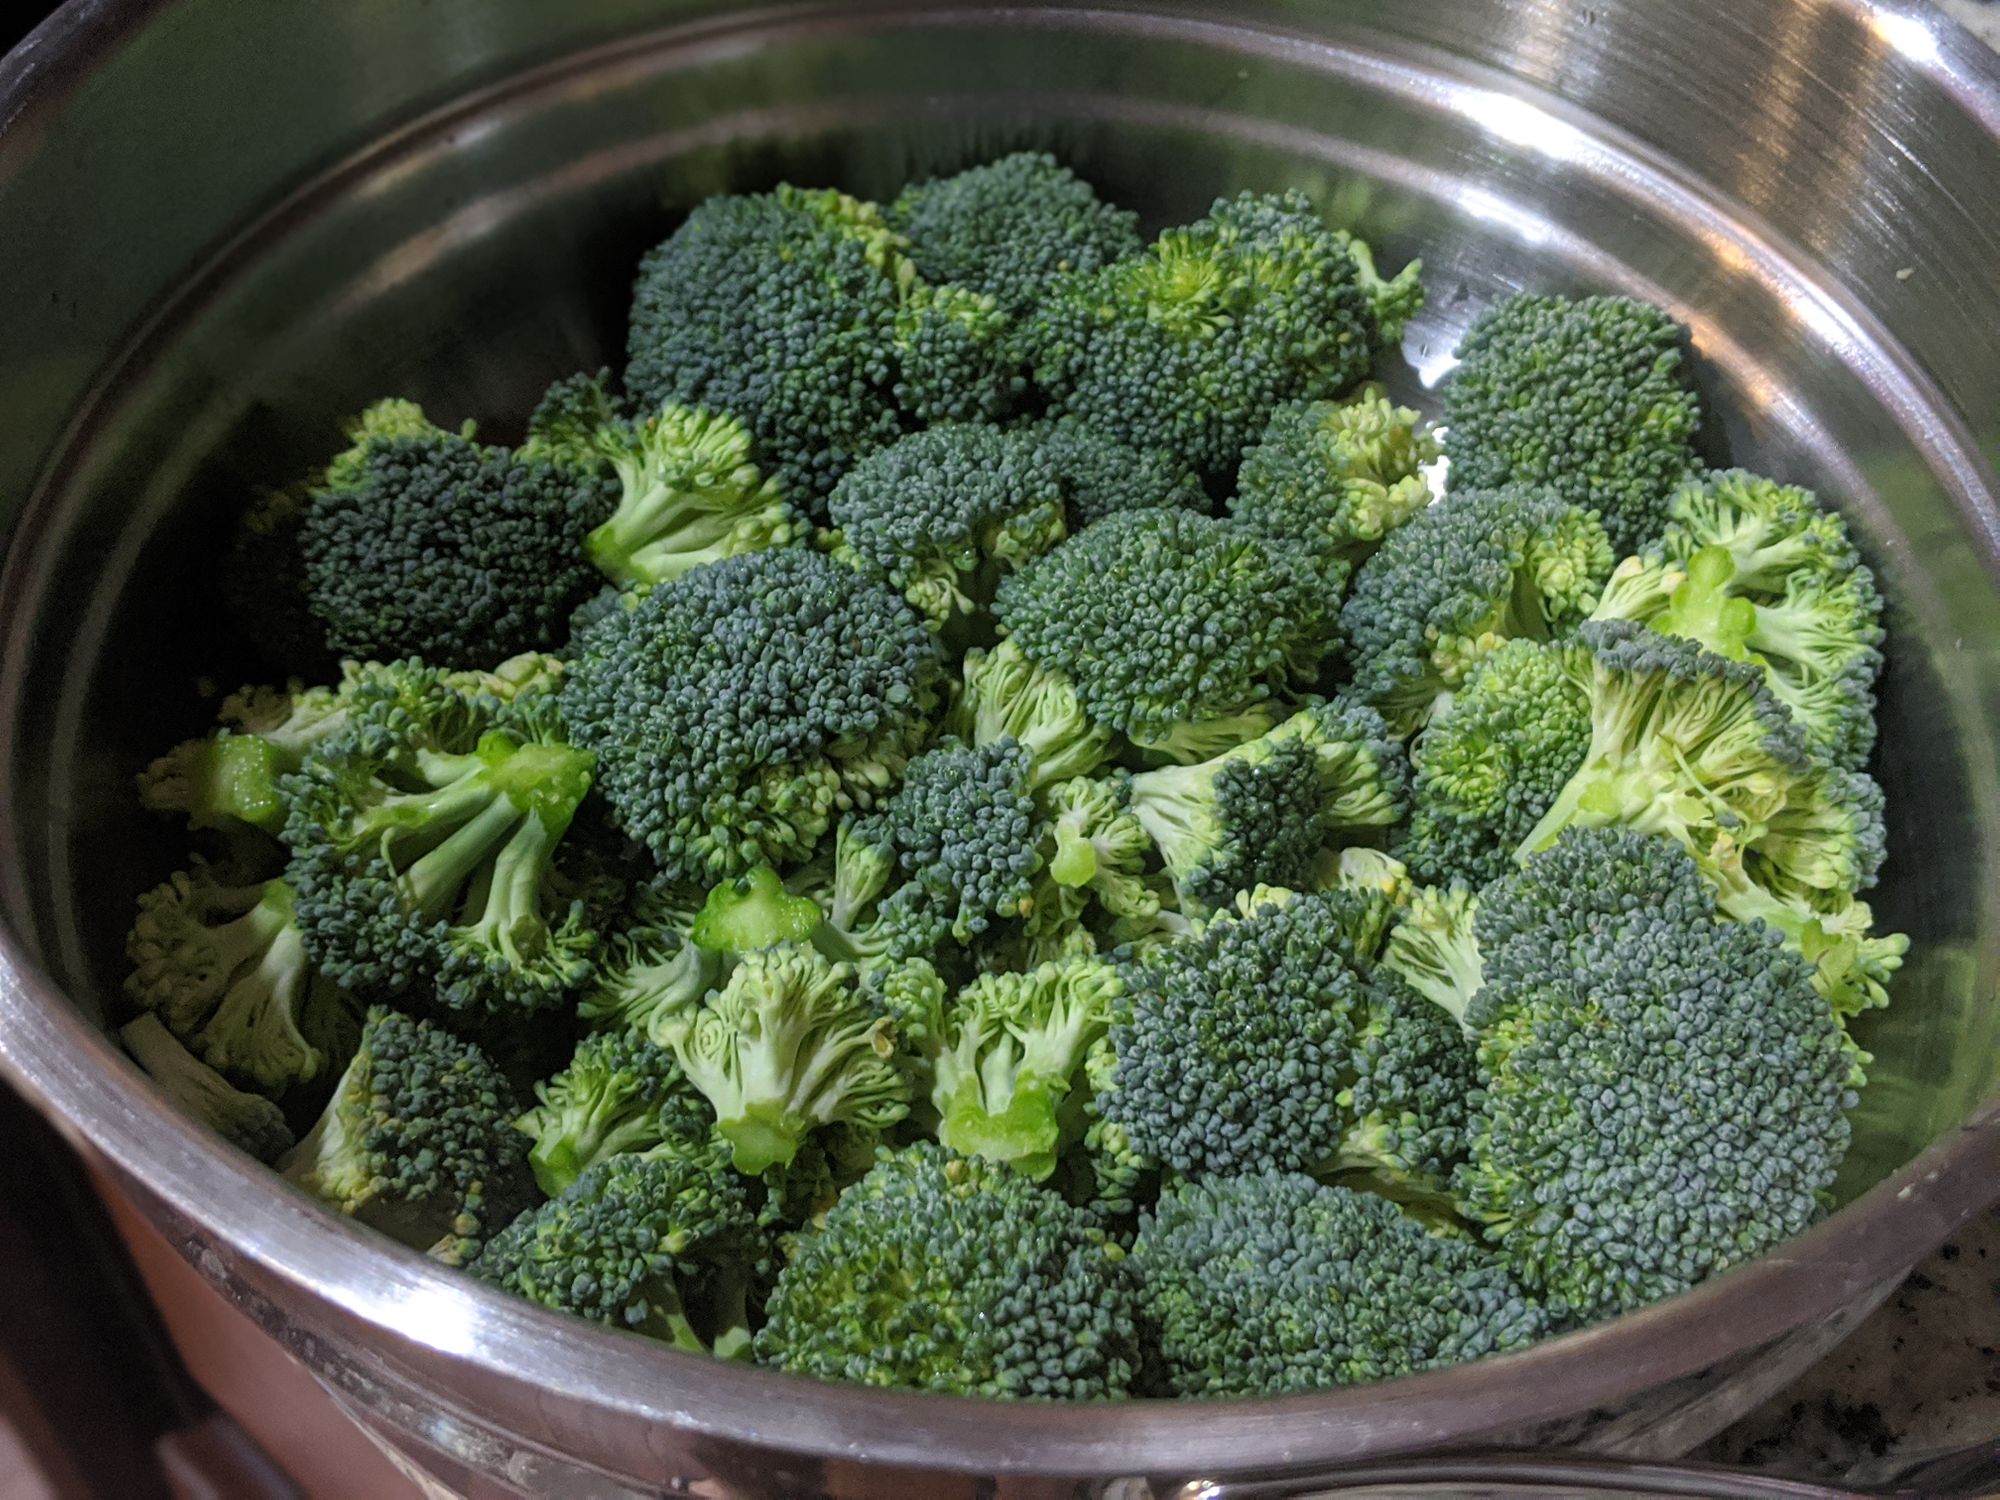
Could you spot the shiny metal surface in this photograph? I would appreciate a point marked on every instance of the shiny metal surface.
(222, 225)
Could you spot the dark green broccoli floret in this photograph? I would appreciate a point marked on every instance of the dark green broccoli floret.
(424, 841)
(1757, 571)
(1477, 568)
(647, 969)
(735, 709)
(1101, 476)
(1010, 227)
(225, 968)
(1175, 629)
(1189, 345)
(662, 1243)
(620, 1092)
(247, 1120)
(799, 313)
(789, 1043)
(1664, 1092)
(1487, 770)
(1584, 397)
(418, 1140)
(944, 1273)
(434, 545)
(1007, 1055)
(942, 514)
(1271, 1283)
(1267, 811)
(1411, 1076)
(1335, 477)
(967, 832)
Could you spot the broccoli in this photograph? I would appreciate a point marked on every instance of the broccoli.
(1434, 949)
(1335, 478)
(1272, 1283)
(225, 969)
(1010, 227)
(1760, 572)
(1189, 345)
(942, 514)
(1664, 1092)
(618, 1093)
(246, 1120)
(663, 1243)
(1101, 476)
(1004, 696)
(1585, 397)
(647, 969)
(944, 1273)
(736, 708)
(799, 313)
(1266, 811)
(1409, 1074)
(1099, 851)
(1175, 629)
(1477, 568)
(424, 839)
(263, 582)
(789, 1043)
(441, 547)
(968, 834)
(1008, 1053)
(418, 1140)
(1485, 772)
(752, 911)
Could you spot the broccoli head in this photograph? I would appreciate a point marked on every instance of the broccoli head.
(1272, 1283)
(647, 969)
(1434, 948)
(1584, 397)
(1664, 1092)
(1477, 568)
(620, 1092)
(1101, 476)
(418, 1140)
(1010, 227)
(246, 1120)
(938, 1272)
(1099, 851)
(734, 710)
(968, 833)
(1004, 696)
(1175, 629)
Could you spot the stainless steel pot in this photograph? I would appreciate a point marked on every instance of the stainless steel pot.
(222, 225)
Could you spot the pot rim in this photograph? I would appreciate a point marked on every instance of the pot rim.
(494, 1357)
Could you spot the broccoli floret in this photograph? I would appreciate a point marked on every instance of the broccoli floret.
(1585, 397)
(1665, 1093)
(620, 1092)
(944, 1273)
(736, 709)
(799, 312)
(1335, 478)
(246, 1120)
(1265, 812)
(689, 493)
(1190, 344)
(424, 841)
(942, 514)
(1004, 696)
(648, 970)
(1759, 572)
(441, 547)
(789, 1043)
(1007, 1055)
(1010, 227)
(1411, 1075)
(418, 1140)
(968, 834)
(225, 968)
(1486, 771)
(1272, 1283)
(1434, 948)
(752, 911)
(662, 1243)
(1101, 476)
(1175, 629)
(1231, 1042)
(1473, 570)
(1099, 851)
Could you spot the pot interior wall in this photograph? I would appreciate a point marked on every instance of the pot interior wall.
(476, 254)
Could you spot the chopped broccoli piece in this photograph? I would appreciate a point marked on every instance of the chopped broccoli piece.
(735, 709)
(944, 1273)
(246, 1120)
(1004, 696)
(648, 970)
(1585, 397)
(752, 911)
(618, 1093)
(1434, 950)
(1099, 852)
(1101, 476)
(1272, 1283)
(969, 836)
(1010, 227)
(418, 1141)
(1477, 568)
